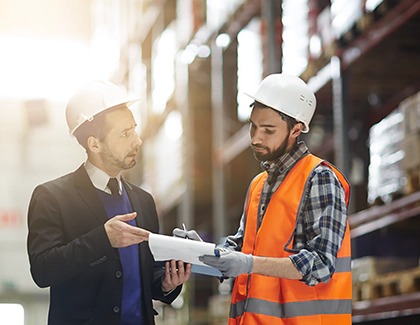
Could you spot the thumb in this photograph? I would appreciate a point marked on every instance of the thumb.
(208, 259)
(178, 232)
(126, 217)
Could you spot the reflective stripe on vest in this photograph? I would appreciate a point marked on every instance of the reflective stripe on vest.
(343, 264)
(291, 309)
(258, 299)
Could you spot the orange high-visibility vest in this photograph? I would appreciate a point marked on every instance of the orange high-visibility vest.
(258, 299)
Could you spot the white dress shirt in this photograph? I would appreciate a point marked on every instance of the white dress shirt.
(99, 178)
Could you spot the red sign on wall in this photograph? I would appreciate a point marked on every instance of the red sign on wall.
(10, 219)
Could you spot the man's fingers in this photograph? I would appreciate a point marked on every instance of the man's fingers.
(181, 270)
(174, 269)
(126, 217)
(177, 268)
(122, 234)
(177, 272)
(144, 234)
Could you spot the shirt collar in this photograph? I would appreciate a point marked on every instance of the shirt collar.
(286, 161)
(99, 178)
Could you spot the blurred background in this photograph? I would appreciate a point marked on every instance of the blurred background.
(190, 61)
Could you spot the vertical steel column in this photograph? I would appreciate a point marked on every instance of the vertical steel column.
(340, 127)
(186, 207)
(185, 211)
(218, 137)
(271, 15)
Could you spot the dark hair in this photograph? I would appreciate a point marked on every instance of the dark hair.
(97, 128)
(290, 121)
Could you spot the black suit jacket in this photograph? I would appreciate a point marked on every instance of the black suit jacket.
(69, 252)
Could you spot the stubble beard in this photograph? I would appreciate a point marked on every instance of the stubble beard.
(122, 164)
(270, 155)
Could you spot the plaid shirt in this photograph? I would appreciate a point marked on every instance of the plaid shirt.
(320, 226)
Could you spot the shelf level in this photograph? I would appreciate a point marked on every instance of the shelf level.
(378, 217)
(387, 307)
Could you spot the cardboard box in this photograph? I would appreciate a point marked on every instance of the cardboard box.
(411, 147)
(367, 268)
(344, 15)
(386, 174)
(323, 24)
(410, 107)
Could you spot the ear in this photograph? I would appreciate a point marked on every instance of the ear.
(296, 130)
(93, 144)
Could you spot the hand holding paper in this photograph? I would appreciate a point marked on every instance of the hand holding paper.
(231, 263)
(166, 248)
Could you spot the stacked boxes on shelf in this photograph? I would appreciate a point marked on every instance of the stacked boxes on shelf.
(410, 107)
(372, 275)
(324, 31)
(344, 16)
(386, 175)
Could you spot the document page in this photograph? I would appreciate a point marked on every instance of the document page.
(166, 248)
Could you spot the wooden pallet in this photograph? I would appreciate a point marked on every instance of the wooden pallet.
(364, 22)
(386, 285)
(384, 7)
(413, 180)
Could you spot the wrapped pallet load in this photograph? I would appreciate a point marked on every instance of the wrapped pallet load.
(386, 175)
(410, 107)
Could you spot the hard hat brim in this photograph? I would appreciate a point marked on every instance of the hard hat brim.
(128, 104)
(259, 100)
(305, 126)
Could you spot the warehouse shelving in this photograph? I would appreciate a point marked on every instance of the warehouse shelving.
(373, 219)
(378, 217)
(379, 59)
(379, 56)
(387, 307)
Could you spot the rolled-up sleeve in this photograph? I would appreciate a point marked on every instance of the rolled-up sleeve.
(323, 223)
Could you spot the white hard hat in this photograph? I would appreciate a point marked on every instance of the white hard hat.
(91, 99)
(287, 94)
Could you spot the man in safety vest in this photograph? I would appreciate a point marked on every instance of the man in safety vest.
(291, 254)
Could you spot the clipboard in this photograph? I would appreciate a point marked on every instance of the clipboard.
(166, 248)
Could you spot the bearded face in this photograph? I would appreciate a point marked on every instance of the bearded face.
(271, 137)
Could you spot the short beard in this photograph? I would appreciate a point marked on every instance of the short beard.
(270, 155)
(121, 164)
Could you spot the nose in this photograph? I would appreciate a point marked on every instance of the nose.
(256, 137)
(136, 140)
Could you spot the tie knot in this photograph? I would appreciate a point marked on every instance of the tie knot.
(113, 186)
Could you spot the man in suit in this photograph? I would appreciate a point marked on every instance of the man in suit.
(88, 230)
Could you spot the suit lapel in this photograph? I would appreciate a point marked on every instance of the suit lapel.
(89, 195)
(137, 204)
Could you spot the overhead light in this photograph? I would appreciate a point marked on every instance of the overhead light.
(189, 53)
(315, 46)
(223, 40)
(203, 51)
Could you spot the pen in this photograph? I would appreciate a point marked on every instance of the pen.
(183, 226)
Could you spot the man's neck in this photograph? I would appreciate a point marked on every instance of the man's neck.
(109, 171)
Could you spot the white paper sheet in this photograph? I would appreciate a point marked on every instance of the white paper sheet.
(166, 248)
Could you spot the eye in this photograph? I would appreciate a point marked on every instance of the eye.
(270, 131)
(126, 133)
